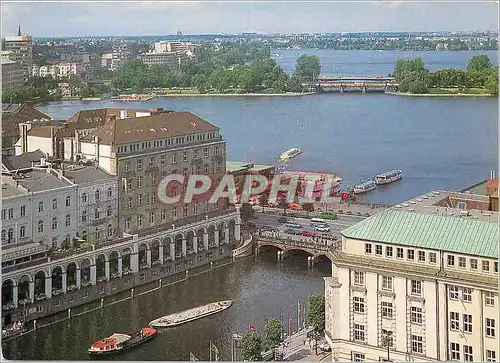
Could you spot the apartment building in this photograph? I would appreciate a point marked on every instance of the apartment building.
(57, 71)
(121, 55)
(20, 50)
(170, 54)
(417, 282)
(12, 75)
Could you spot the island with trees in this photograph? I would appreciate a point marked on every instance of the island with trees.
(479, 78)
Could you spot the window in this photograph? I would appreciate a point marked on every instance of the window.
(489, 298)
(387, 283)
(410, 254)
(54, 203)
(174, 158)
(11, 213)
(416, 315)
(467, 323)
(454, 321)
(462, 263)
(454, 292)
(40, 207)
(139, 220)
(421, 256)
(4, 213)
(196, 208)
(368, 248)
(54, 223)
(139, 182)
(110, 230)
(378, 250)
(129, 185)
(127, 223)
(97, 233)
(451, 260)
(174, 213)
(96, 214)
(127, 166)
(358, 357)
(388, 251)
(84, 216)
(163, 214)
(174, 192)
(184, 156)
(432, 257)
(10, 235)
(359, 278)
(162, 159)
(4, 235)
(23, 211)
(473, 264)
(54, 242)
(68, 220)
(97, 195)
(139, 164)
(216, 150)
(129, 203)
(386, 309)
(110, 192)
(205, 168)
(455, 351)
(359, 304)
(416, 287)
(185, 210)
(68, 201)
(40, 226)
(108, 211)
(467, 294)
(491, 356)
(490, 327)
(399, 252)
(205, 152)
(152, 161)
(486, 266)
(496, 266)
(151, 218)
(359, 332)
(417, 344)
(139, 199)
(22, 232)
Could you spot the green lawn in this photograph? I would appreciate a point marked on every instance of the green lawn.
(452, 91)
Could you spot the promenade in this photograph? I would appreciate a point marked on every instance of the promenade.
(296, 347)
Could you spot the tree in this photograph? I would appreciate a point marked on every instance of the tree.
(308, 207)
(406, 66)
(308, 67)
(246, 212)
(248, 80)
(479, 63)
(283, 203)
(263, 200)
(316, 315)
(251, 347)
(492, 83)
(272, 334)
(417, 87)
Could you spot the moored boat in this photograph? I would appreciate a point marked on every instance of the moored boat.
(365, 187)
(388, 177)
(190, 314)
(290, 153)
(118, 342)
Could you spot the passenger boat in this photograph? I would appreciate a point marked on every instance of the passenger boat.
(290, 153)
(365, 187)
(190, 314)
(388, 177)
(118, 342)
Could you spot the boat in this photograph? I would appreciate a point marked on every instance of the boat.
(186, 316)
(388, 177)
(364, 187)
(118, 342)
(290, 153)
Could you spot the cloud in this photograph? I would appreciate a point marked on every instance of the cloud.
(196, 17)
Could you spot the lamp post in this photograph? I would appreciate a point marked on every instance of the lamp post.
(387, 339)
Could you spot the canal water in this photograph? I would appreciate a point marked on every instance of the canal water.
(260, 287)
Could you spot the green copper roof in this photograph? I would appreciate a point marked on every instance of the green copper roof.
(445, 233)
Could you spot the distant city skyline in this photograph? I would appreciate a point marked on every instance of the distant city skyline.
(162, 18)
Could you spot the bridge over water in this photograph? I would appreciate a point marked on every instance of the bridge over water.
(353, 83)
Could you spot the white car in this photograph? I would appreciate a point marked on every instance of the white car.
(325, 347)
(323, 229)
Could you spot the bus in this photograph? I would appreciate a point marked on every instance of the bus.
(293, 225)
(317, 220)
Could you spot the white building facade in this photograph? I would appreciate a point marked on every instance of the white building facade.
(425, 284)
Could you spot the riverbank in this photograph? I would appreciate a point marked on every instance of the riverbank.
(407, 94)
(288, 94)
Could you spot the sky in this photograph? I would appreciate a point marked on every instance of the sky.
(85, 18)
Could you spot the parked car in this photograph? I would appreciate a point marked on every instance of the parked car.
(325, 347)
(294, 207)
(292, 231)
(323, 229)
(282, 220)
(328, 215)
(307, 234)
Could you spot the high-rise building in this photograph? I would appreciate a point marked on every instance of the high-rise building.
(20, 50)
(121, 54)
(417, 282)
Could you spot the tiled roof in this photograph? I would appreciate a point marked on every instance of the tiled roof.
(23, 160)
(445, 233)
(13, 114)
(162, 125)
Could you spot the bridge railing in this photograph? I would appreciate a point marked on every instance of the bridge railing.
(307, 245)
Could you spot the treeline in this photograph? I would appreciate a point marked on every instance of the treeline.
(224, 69)
(39, 89)
(480, 75)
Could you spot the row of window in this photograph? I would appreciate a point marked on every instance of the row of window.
(55, 223)
(163, 159)
(97, 232)
(422, 256)
(387, 309)
(491, 355)
(97, 195)
(465, 294)
(139, 146)
(466, 322)
(417, 341)
(9, 213)
(174, 214)
(8, 235)
(387, 283)
(97, 214)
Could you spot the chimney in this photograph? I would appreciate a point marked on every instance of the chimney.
(123, 114)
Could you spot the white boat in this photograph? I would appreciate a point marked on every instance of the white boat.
(190, 314)
(365, 187)
(290, 153)
(388, 177)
